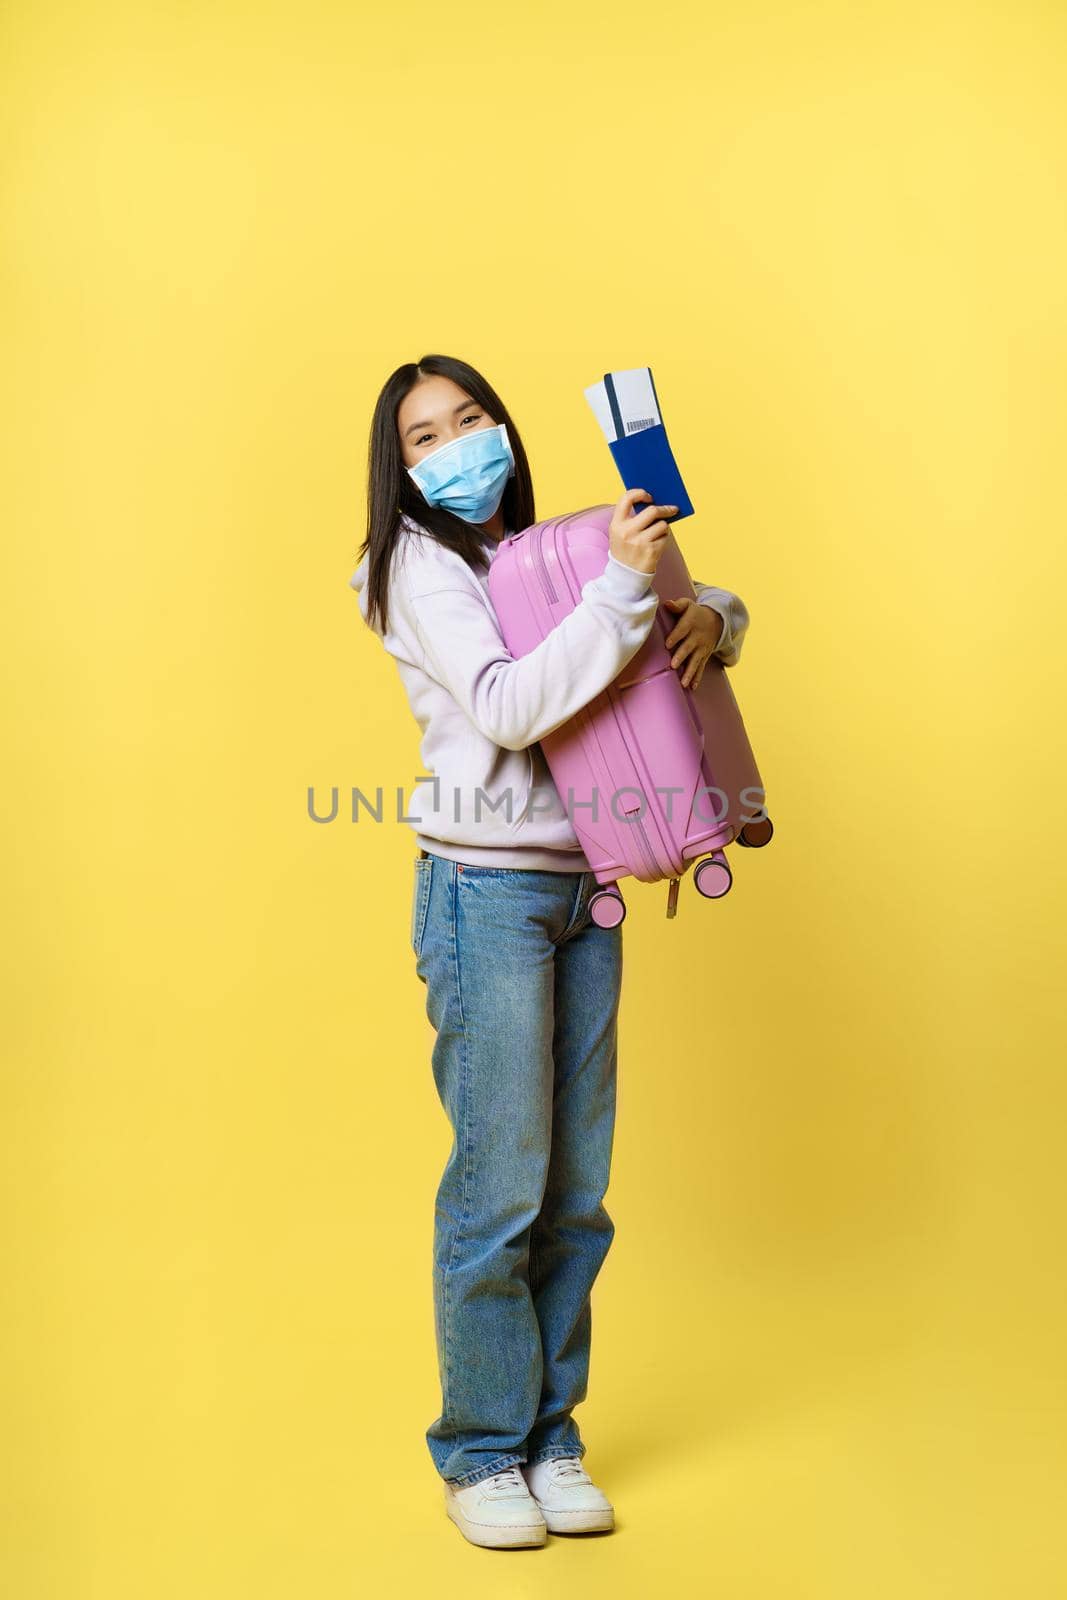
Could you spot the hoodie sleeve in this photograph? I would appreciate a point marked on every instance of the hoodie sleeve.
(735, 619)
(517, 701)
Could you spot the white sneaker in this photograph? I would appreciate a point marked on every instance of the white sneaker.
(498, 1511)
(567, 1496)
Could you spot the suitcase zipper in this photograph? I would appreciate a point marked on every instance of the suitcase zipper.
(542, 570)
(650, 854)
(543, 573)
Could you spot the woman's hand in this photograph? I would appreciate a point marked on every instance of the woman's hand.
(637, 541)
(696, 633)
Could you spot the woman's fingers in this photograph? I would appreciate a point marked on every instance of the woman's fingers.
(685, 649)
(689, 642)
(684, 631)
(646, 515)
(682, 627)
(694, 670)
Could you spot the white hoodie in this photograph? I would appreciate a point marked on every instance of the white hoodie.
(482, 712)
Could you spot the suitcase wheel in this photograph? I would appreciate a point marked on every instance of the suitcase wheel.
(754, 835)
(712, 876)
(607, 908)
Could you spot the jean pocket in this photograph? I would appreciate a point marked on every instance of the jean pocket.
(420, 901)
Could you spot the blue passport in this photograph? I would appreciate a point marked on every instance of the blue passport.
(627, 407)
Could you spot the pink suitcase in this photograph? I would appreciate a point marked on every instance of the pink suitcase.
(671, 769)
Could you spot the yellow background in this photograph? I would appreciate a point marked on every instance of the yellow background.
(828, 1341)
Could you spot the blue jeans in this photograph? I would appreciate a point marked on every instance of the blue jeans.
(522, 989)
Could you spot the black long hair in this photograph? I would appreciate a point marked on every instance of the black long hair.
(390, 490)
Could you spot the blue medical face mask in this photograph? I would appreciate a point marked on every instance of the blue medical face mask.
(467, 475)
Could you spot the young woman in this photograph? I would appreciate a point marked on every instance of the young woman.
(522, 987)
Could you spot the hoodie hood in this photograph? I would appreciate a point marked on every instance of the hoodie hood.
(358, 582)
(359, 578)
